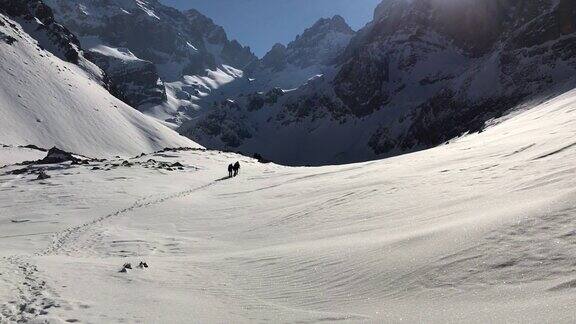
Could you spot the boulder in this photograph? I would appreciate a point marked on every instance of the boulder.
(56, 155)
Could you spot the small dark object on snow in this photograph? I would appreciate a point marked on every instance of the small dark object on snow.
(96, 168)
(230, 170)
(142, 265)
(56, 155)
(18, 221)
(125, 267)
(34, 147)
(42, 175)
(19, 171)
(177, 165)
(261, 159)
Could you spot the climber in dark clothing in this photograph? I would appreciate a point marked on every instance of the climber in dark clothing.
(230, 170)
(236, 168)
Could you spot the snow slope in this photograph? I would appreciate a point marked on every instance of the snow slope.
(12, 155)
(478, 230)
(48, 102)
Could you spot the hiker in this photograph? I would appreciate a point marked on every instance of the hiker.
(230, 170)
(236, 168)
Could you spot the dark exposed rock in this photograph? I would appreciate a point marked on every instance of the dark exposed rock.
(134, 81)
(56, 155)
(260, 158)
(258, 100)
(276, 58)
(7, 39)
(126, 267)
(19, 171)
(229, 126)
(42, 175)
(164, 45)
(362, 83)
(320, 44)
(34, 147)
(154, 32)
(381, 142)
(508, 38)
(59, 40)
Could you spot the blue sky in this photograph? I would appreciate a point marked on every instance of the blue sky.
(261, 23)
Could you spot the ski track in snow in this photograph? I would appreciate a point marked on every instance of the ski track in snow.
(33, 300)
(67, 237)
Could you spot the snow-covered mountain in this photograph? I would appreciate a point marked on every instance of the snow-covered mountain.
(52, 96)
(176, 42)
(237, 116)
(159, 60)
(186, 65)
(432, 70)
(312, 53)
(422, 72)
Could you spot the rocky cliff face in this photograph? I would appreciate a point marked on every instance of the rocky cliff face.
(134, 81)
(152, 31)
(229, 52)
(317, 46)
(164, 44)
(40, 21)
(460, 63)
(239, 118)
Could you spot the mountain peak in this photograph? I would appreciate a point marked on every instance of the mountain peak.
(317, 45)
(213, 33)
(276, 57)
(324, 25)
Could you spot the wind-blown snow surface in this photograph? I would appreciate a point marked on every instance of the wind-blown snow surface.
(478, 230)
(12, 155)
(48, 102)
